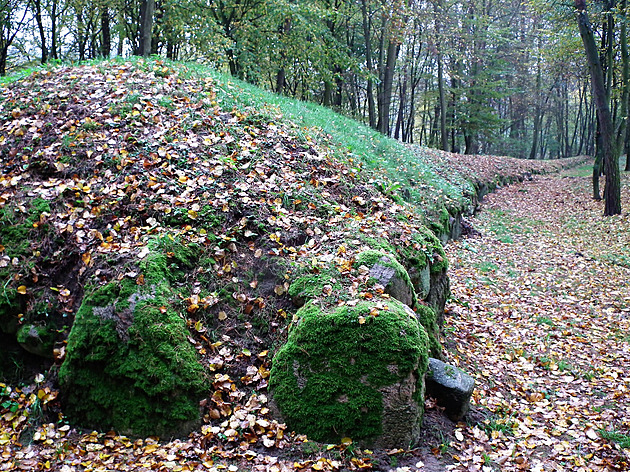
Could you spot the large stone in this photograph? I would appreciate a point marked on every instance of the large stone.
(129, 364)
(388, 272)
(438, 294)
(451, 387)
(36, 339)
(353, 373)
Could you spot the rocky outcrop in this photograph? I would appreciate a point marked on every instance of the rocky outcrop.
(129, 364)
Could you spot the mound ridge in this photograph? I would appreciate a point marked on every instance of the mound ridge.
(101, 161)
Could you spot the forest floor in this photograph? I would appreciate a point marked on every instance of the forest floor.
(540, 315)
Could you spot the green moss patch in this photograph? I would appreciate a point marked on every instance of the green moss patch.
(129, 364)
(36, 339)
(17, 223)
(310, 286)
(428, 319)
(328, 379)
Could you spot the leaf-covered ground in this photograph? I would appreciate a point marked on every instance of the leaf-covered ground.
(541, 315)
(125, 152)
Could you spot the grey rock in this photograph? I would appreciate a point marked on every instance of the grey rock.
(451, 387)
(421, 280)
(394, 281)
(402, 415)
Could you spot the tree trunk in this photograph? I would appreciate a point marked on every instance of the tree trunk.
(368, 63)
(147, 8)
(106, 36)
(53, 31)
(440, 66)
(387, 82)
(37, 7)
(612, 193)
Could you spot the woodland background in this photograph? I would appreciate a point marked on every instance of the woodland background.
(470, 76)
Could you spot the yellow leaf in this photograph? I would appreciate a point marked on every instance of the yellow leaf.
(222, 315)
(21, 290)
(192, 214)
(346, 441)
(361, 319)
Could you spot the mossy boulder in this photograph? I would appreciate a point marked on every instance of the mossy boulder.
(17, 225)
(353, 372)
(307, 287)
(129, 364)
(388, 272)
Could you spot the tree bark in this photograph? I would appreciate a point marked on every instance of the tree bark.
(106, 36)
(37, 7)
(440, 70)
(612, 194)
(385, 91)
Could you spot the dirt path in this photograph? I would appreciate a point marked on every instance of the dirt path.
(541, 316)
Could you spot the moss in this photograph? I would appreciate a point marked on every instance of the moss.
(378, 244)
(37, 339)
(10, 307)
(427, 248)
(170, 257)
(326, 378)
(440, 224)
(428, 319)
(16, 226)
(16, 229)
(129, 364)
(310, 286)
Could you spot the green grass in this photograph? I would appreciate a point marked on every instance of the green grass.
(18, 74)
(620, 438)
(394, 168)
(486, 266)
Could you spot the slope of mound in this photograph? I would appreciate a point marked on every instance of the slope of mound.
(181, 194)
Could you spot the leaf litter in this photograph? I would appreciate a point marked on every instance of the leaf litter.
(540, 314)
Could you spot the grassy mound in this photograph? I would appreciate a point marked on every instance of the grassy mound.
(203, 201)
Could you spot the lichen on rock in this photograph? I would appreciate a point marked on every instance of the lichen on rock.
(353, 371)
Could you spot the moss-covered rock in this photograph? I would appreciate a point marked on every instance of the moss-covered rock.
(17, 223)
(310, 286)
(352, 372)
(388, 272)
(129, 364)
(428, 319)
(37, 339)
